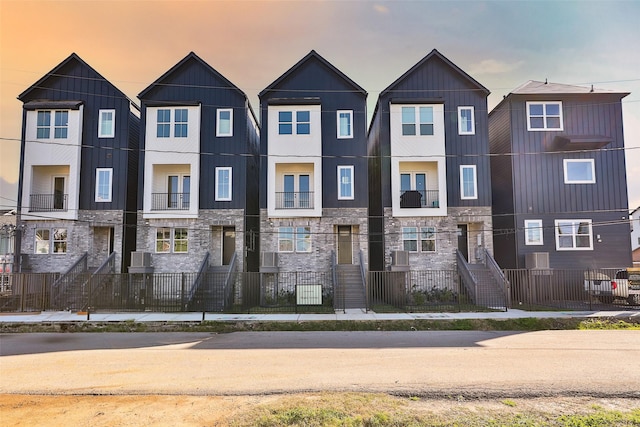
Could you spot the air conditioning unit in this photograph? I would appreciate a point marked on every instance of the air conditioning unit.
(140, 259)
(269, 262)
(537, 261)
(399, 258)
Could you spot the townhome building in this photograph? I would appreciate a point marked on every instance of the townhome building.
(198, 169)
(314, 198)
(559, 178)
(429, 174)
(78, 171)
(635, 236)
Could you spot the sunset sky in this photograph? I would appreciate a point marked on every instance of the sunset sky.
(501, 44)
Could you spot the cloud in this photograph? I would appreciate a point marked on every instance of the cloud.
(381, 9)
(493, 66)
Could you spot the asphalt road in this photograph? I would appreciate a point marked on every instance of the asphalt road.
(433, 363)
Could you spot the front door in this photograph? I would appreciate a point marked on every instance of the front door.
(345, 255)
(463, 244)
(228, 244)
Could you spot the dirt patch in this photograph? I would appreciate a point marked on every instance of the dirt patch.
(144, 410)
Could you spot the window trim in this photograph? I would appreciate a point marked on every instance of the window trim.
(473, 120)
(418, 232)
(52, 241)
(219, 133)
(294, 123)
(531, 224)
(475, 182)
(218, 197)
(574, 235)
(565, 162)
(48, 240)
(112, 134)
(544, 116)
(296, 236)
(52, 127)
(417, 122)
(110, 184)
(349, 135)
(351, 183)
(171, 240)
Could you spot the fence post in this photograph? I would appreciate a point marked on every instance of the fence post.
(182, 303)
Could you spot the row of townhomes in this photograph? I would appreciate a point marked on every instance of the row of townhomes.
(190, 181)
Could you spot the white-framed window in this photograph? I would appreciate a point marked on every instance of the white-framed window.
(60, 124)
(579, 171)
(294, 239)
(104, 183)
(345, 123)
(542, 116)
(345, 183)
(468, 182)
(466, 121)
(533, 234)
(51, 241)
(574, 235)
(224, 122)
(223, 184)
(106, 123)
(178, 117)
(172, 240)
(419, 239)
(417, 120)
(298, 121)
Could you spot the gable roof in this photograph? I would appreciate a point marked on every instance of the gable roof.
(55, 73)
(190, 57)
(434, 54)
(312, 55)
(533, 87)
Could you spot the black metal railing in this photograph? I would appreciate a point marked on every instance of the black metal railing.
(363, 276)
(338, 291)
(48, 202)
(498, 276)
(420, 199)
(96, 282)
(466, 277)
(170, 201)
(294, 200)
(198, 282)
(63, 288)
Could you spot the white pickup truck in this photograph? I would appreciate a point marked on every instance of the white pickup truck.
(625, 285)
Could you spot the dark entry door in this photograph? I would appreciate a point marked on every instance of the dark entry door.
(463, 244)
(345, 254)
(228, 244)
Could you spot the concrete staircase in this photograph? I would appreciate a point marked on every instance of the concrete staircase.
(489, 291)
(350, 289)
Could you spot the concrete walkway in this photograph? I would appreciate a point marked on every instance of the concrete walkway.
(353, 314)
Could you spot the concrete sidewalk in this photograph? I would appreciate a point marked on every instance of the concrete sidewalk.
(351, 315)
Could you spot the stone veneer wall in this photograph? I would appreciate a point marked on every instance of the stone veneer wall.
(80, 239)
(323, 238)
(204, 236)
(478, 219)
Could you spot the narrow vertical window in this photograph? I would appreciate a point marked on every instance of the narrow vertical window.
(61, 125)
(408, 121)
(164, 123)
(533, 232)
(104, 178)
(43, 242)
(468, 182)
(107, 124)
(410, 239)
(303, 239)
(303, 122)
(44, 125)
(163, 240)
(427, 239)
(345, 124)
(181, 122)
(60, 240)
(285, 239)
(224, 122)
(466, 121)
(426, 120)
(223, 184)
(285, 122)
(345, 182)
(181, 240)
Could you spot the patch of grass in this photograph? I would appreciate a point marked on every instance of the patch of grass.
(608, 324)
(509, 402)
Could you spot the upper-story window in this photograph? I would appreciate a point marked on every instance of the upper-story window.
(107, 124)
(180, 121)
(104, 178)
(574, 235)
(579, 171)
(345, 182)
(345, 124)
(533, 232)
(224, 122)
(468, 182)
(223, 184)
(60, 124)
(466, 121)
(543, 116)
(288, 121)
(417, 120)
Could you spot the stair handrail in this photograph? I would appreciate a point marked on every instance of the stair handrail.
(228, 281)
(108, 266)
(468, 279)
(364, 281)
(61, 284)
(197, 282)
(499, 277)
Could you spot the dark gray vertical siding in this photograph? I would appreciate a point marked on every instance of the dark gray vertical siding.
(377, 190)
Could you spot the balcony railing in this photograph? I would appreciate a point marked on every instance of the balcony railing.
(420, 199)
(294, 200)
(48, 202)
(170, 201)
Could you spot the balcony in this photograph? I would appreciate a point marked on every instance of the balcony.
(420, 199)
(170, 201)
(294, 200)
(48, 202)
